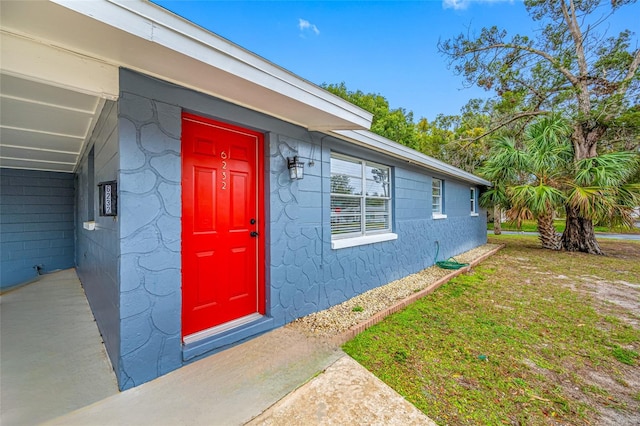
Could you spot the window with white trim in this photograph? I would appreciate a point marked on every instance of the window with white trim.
(437, 198)
(360, 197)
(474, 208)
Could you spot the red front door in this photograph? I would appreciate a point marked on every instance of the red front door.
(221, 223)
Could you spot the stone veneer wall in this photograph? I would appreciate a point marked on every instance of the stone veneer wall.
(150, 262)
(307, 275)
(303, 273)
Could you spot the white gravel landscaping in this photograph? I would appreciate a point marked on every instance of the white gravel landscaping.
(342, 317)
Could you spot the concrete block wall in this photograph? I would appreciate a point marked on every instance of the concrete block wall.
(36, 224)
(98, 251)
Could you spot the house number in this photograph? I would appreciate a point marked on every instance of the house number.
(107, 199)
(223, 155)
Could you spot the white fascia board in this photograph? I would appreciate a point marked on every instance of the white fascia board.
(155, 24)
(378, 143)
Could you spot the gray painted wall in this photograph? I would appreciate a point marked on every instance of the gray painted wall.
(303, 273)
(98, 251)
(307, 275)
(150, 212)
(36, 224)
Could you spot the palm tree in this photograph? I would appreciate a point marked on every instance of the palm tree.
(541, 176)
(496, 196)
(529, 177)
(601, 191)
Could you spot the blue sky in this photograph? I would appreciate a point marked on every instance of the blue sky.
(385, 47)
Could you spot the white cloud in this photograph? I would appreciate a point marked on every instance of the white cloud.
(306, 26)
(463, 4)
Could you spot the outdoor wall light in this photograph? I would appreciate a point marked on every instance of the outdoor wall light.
(296, 168)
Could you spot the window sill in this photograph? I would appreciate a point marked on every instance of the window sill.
(475, 214)
(438, 216)
(359, 241)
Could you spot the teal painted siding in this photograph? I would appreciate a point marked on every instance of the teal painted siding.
(97, 252)
(36, 224)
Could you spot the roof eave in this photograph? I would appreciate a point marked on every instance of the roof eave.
(386, 146)
(179, 51)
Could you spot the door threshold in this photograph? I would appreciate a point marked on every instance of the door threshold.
(220, 328)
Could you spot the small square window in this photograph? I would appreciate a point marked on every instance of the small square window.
(474, 200)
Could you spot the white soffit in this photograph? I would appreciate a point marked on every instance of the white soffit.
(43, 127)
(41, 61)
(50, 100)
(378, 143)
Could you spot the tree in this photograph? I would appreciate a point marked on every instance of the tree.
(394, 124)
(527, 178)
(540, 175)
(496, 197)
(624, 134)
(568, 66)
(454, 138)
(450, 138)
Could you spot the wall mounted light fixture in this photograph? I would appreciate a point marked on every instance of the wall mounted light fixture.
(296, 168)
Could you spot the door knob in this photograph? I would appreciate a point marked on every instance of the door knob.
(254, 234)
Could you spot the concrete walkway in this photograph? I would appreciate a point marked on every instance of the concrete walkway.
(280, 378)
(227, 388)
(344, 394)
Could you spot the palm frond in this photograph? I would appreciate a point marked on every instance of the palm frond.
(594, 202)
(539, 199)
(505, 162)
(494, 196)
(611, 169)
(629, 195)
(549, 146)
(625, 199)
(518, 214)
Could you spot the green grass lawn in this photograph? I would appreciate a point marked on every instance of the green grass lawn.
(522, 339)
(532, 226)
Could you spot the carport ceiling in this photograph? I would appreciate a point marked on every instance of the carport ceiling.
(43, 127)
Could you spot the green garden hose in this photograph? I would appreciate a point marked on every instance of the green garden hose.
(451, 263)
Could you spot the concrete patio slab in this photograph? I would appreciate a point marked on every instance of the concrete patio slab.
(52, 357)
